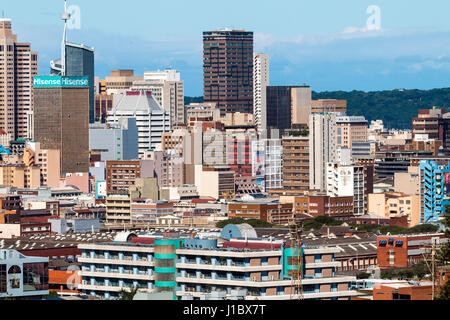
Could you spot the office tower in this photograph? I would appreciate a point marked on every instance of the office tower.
(120, 80)
(288, 106)
(79, 62)
(261, 80)
(168, 90)
(329, 105)
(295, 163)
(18, 66)
(61, 106)
(152, 120)
(228, 69)
(351, 129)
(322, 148)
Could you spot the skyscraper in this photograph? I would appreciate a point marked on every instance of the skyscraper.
(228, 69)
(18, 66)
(322, 148)
(288, 106)
(261, 81)
(76, 61)
(79, 63)
(61, 119)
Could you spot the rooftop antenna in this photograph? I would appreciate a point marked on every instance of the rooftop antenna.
(65, 17)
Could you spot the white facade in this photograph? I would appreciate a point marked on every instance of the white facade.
(165, 75)
(267, 163)
(261, 80)
(323, 149)
(22, 276)
(347, 181)
(169, 95)
(151, 119)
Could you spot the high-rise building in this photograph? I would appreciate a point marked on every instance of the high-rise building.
(61, 114)
(351, 129)
(168, 90)
(288, 106)
(79, 62)
(261, 80)
(322, 148)
(152, 120)
(267, 163)
(228, 69)
(18, 66)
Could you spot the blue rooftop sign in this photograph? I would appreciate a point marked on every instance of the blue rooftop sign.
(60, 82)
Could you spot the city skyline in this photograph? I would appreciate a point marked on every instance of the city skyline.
(408, 51)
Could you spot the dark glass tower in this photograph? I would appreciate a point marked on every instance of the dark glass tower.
(228, 70)
(79, 63)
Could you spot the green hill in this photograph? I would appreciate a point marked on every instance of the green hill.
(395, 107)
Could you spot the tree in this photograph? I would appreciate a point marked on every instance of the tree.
(386, 275)
(363, 275)
(128, 294)
(444, 257)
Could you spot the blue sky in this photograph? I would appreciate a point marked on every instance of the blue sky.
(324, 43)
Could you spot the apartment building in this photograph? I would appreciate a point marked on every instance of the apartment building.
(118, 207)
(261, 80)
(434, 189)
(199, 267)
(351, 129)
(394, 204)
(120, 175)
(146, 211)
(267, 163)
(295, 163)
(322, 148)
(269, 210)
(18, 66)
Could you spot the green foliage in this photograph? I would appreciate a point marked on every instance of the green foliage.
(386, 275)
(396, 107)
(373, 228)
(363, 275)
(128, 294)
(444, 292)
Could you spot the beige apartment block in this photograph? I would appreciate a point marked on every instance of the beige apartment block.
(395, 204)
(120, 80)
(351, 129)
(20, 176)
(407, 182)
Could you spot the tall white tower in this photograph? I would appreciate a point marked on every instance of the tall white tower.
(261, 81)
(322, 148)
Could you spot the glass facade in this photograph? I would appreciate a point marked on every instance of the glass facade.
(35, 276)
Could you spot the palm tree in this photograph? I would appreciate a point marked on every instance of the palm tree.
(128, 294)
